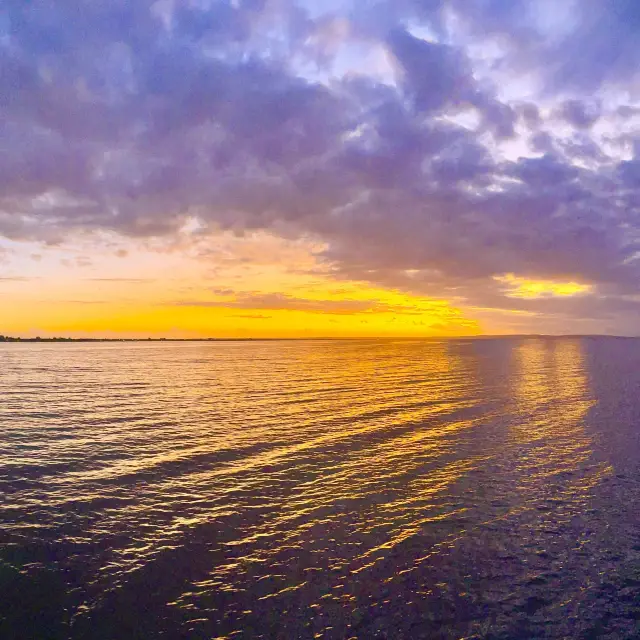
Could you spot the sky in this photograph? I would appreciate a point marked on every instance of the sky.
(299, 168)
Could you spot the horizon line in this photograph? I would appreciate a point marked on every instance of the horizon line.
(17, 339)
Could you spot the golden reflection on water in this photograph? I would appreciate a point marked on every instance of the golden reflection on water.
(551, 394)
(552, 400)
(378, 489)
(333, 479)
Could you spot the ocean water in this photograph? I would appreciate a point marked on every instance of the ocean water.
(321, 489)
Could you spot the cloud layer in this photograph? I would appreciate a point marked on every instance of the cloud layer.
(433, 145)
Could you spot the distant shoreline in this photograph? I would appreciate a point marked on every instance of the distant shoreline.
(19, 340)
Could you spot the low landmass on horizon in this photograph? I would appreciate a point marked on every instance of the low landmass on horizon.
(426, 338)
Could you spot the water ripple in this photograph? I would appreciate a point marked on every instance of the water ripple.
(348, 489)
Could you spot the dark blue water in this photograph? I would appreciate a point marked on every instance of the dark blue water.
(338, 489)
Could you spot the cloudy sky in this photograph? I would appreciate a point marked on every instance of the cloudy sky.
(316, 168)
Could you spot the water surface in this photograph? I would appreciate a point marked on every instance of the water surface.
(322, 489)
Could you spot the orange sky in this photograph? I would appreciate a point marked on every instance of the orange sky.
(223, 286)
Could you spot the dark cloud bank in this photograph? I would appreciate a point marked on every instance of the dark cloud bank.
(130, 115)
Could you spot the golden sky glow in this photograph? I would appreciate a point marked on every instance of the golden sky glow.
(518, 287)
(235, 285)
(252, 286)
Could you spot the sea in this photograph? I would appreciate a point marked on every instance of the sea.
(369, 489)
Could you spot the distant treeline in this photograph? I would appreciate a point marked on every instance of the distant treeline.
(455, 339)
(38, 339)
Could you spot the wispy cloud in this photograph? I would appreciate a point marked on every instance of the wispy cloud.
(251, 316)
(283, 302)
(128, 280)
(18, 278)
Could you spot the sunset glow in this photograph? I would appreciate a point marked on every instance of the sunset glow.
(524, 288)
(170, 294)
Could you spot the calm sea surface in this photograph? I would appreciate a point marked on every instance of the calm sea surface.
(329, 489)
